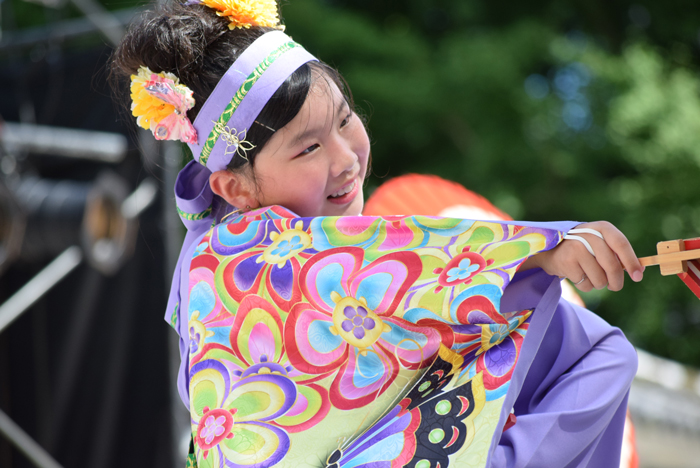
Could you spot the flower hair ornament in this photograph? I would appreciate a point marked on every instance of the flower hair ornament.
(160, 104)
(245, 13)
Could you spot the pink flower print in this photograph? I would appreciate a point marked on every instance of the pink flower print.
(379, 234)
(212, 428)
(355, 324)
(398, 234)
(499, 350)
(348, 328)
(205, 309)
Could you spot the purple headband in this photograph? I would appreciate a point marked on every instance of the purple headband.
(222, 125)
(252, 80)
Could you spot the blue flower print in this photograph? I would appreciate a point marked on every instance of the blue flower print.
(500, 334)
(461, 272)
(285, 247)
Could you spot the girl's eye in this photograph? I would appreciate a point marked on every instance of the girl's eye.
(346, 120)
(308, 150)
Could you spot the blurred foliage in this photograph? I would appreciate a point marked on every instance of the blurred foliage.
(552, 109)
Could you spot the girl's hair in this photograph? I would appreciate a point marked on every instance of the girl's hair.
(197, 46)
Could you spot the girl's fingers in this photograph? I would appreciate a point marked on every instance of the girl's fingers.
(609, 262)
(620, 247)
(619, 244)
(594, 272)
(604, 268)
(583, 286)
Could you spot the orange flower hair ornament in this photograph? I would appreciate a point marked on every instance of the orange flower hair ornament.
(160, 104)
(245, 13)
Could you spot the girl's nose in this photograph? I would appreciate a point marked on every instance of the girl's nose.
(344, 158)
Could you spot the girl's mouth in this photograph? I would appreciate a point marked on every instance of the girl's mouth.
(346, 194)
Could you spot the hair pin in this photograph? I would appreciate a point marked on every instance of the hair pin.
(269, 128)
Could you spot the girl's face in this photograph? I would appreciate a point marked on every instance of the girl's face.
(315, 165)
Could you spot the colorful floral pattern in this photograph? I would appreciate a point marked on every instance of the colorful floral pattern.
(348, 324)
(297, 325)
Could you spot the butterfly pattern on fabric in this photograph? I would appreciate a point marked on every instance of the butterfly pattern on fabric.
(352, 341)
(433, 421)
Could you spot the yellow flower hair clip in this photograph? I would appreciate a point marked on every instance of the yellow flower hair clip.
(246, 13)
(160, 104)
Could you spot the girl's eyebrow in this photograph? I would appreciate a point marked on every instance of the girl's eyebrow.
(342, 107)
(309, 131)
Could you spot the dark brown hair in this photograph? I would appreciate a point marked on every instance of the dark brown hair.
(197, 46)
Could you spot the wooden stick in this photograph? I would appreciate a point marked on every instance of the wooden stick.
(670, 257)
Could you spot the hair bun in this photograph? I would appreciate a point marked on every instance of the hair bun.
(192, 42)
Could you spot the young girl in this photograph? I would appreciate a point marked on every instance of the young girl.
(311, 336)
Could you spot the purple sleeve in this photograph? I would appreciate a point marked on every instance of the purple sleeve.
(571, 408)
(179, 301)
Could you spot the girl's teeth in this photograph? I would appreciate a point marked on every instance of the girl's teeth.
(344, 191)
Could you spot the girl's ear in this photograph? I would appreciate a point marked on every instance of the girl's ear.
(237, 189)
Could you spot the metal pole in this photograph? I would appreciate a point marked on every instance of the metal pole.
(140, 199)
(25, 444)
(39, 285)
(102, 18)
(69, 142)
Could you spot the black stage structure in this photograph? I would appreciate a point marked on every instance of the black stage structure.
(87, 370)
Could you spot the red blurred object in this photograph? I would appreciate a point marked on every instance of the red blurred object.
(629, 458)
(429, 195)
(692, 277)
(510, 422)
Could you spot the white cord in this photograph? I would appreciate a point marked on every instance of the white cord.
(586, 231)
(569, 236)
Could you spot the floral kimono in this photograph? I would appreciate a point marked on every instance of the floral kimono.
(390, 342)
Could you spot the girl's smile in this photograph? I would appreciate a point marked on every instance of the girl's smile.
(345, 194)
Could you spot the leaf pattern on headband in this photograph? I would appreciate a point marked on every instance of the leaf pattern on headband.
(238, 98)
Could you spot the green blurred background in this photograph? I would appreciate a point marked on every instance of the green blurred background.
(553, 110)
(565, 109)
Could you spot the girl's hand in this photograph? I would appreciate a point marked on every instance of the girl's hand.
(570, 259)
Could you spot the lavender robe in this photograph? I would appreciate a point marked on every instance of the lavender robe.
(571, 407)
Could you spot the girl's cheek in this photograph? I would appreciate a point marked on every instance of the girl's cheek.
(364, 144)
